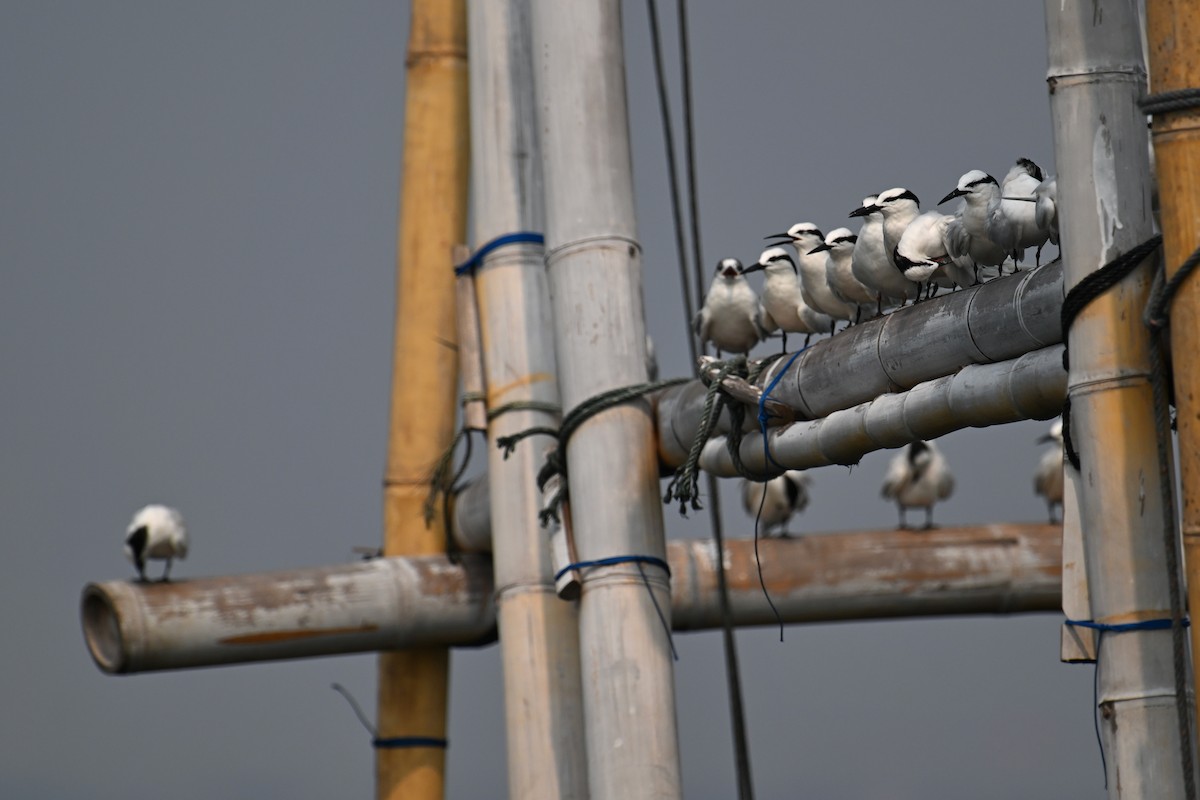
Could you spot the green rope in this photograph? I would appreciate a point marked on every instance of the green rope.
(684, 486)
(556, 463)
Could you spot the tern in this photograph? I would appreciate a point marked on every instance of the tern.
(783, 304)
(779, 498)
(804, 236)
(871, 265)
(1048, 478)
(918, 476)
(729, 318)
(840, 244)
(156, 532)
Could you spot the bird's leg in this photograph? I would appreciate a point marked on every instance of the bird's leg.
(1050, 508)
(858, 315)
(976, 263)
(166, 578)
(783, 534)
(807, 339)
(928, 517)
(903, 522)
(784, 340)
(1037, 257)
(879, 301)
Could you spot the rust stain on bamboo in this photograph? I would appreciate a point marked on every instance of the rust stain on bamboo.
(272, 637)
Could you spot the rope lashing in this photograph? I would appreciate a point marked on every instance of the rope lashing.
(1082, 294)
(763, 415)
(639, 560)
(684, 486)
(556, 462)
(520, 237)
(1161, 624)
(387, 742)
(1174, 100)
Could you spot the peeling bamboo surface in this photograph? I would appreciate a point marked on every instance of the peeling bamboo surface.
(1173, 31)
(1029, 387)
(1096, 76)
(423, 601)
(539, 634)
(433, 213)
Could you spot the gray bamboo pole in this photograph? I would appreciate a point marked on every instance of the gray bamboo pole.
(594, 265)
(539, 634)
(1030, 387)
(1096, 77)
(423, 601)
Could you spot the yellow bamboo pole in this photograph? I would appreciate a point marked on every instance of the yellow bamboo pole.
(1173, 33)
(433, 215)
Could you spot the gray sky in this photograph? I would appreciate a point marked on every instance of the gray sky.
(197, 225)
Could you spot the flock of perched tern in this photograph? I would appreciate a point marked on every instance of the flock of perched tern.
(899, 255)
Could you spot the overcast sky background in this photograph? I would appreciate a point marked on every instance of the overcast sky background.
(197, 227)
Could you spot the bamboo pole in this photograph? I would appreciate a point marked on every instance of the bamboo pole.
(433, 202)
(594, 266)
(352, 608)
(1173, 30)
(1096, 77)
(543, 698)
(1030, 387)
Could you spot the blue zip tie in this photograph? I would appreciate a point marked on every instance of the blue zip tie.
(1126, 627)
(763, 416)
(521, 237)
(613, 560)
(397, 742)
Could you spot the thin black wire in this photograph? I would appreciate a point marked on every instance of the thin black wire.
(689, 135)
(757, 517)
(689, 308)
(732, 669)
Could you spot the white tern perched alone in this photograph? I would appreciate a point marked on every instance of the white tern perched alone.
(918, 476)
(840, 244)
(729, 318)
(871, 265)
(1048, 479)
(156, 532)
(782, 300)
(785, 495)
(804, 236)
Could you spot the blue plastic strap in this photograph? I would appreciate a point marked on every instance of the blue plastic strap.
(763, 416)
(520, 237)
(396, 742)
(614, 560)
(1126, 627)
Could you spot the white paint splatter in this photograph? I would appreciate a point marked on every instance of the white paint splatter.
(1104, 172)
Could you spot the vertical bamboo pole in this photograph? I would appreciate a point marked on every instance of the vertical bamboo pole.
(1173, 29)
(594, 266)
(539, 634)
(1096, 77)
(433, 203)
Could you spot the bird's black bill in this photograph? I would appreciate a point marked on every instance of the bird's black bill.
(819, 248)
(863, 211)
(779, 236)
(1045, 438)
(753, 268)
(951, 196)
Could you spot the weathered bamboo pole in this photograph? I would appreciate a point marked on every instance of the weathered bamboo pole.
(421, 601)
(1173, 30)
(1030, 387)
(539, 634)
(1096, 77)
(594, 265)
(433, 212)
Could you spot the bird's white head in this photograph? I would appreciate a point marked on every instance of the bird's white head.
(729, 269)
(1055, 433)
(897, 200)
(774, 261)
(838, 240)
(976, 186)
(867, 208)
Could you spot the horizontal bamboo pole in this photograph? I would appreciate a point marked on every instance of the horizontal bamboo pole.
(993, 322)
(1030, 387)
(423, 601)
